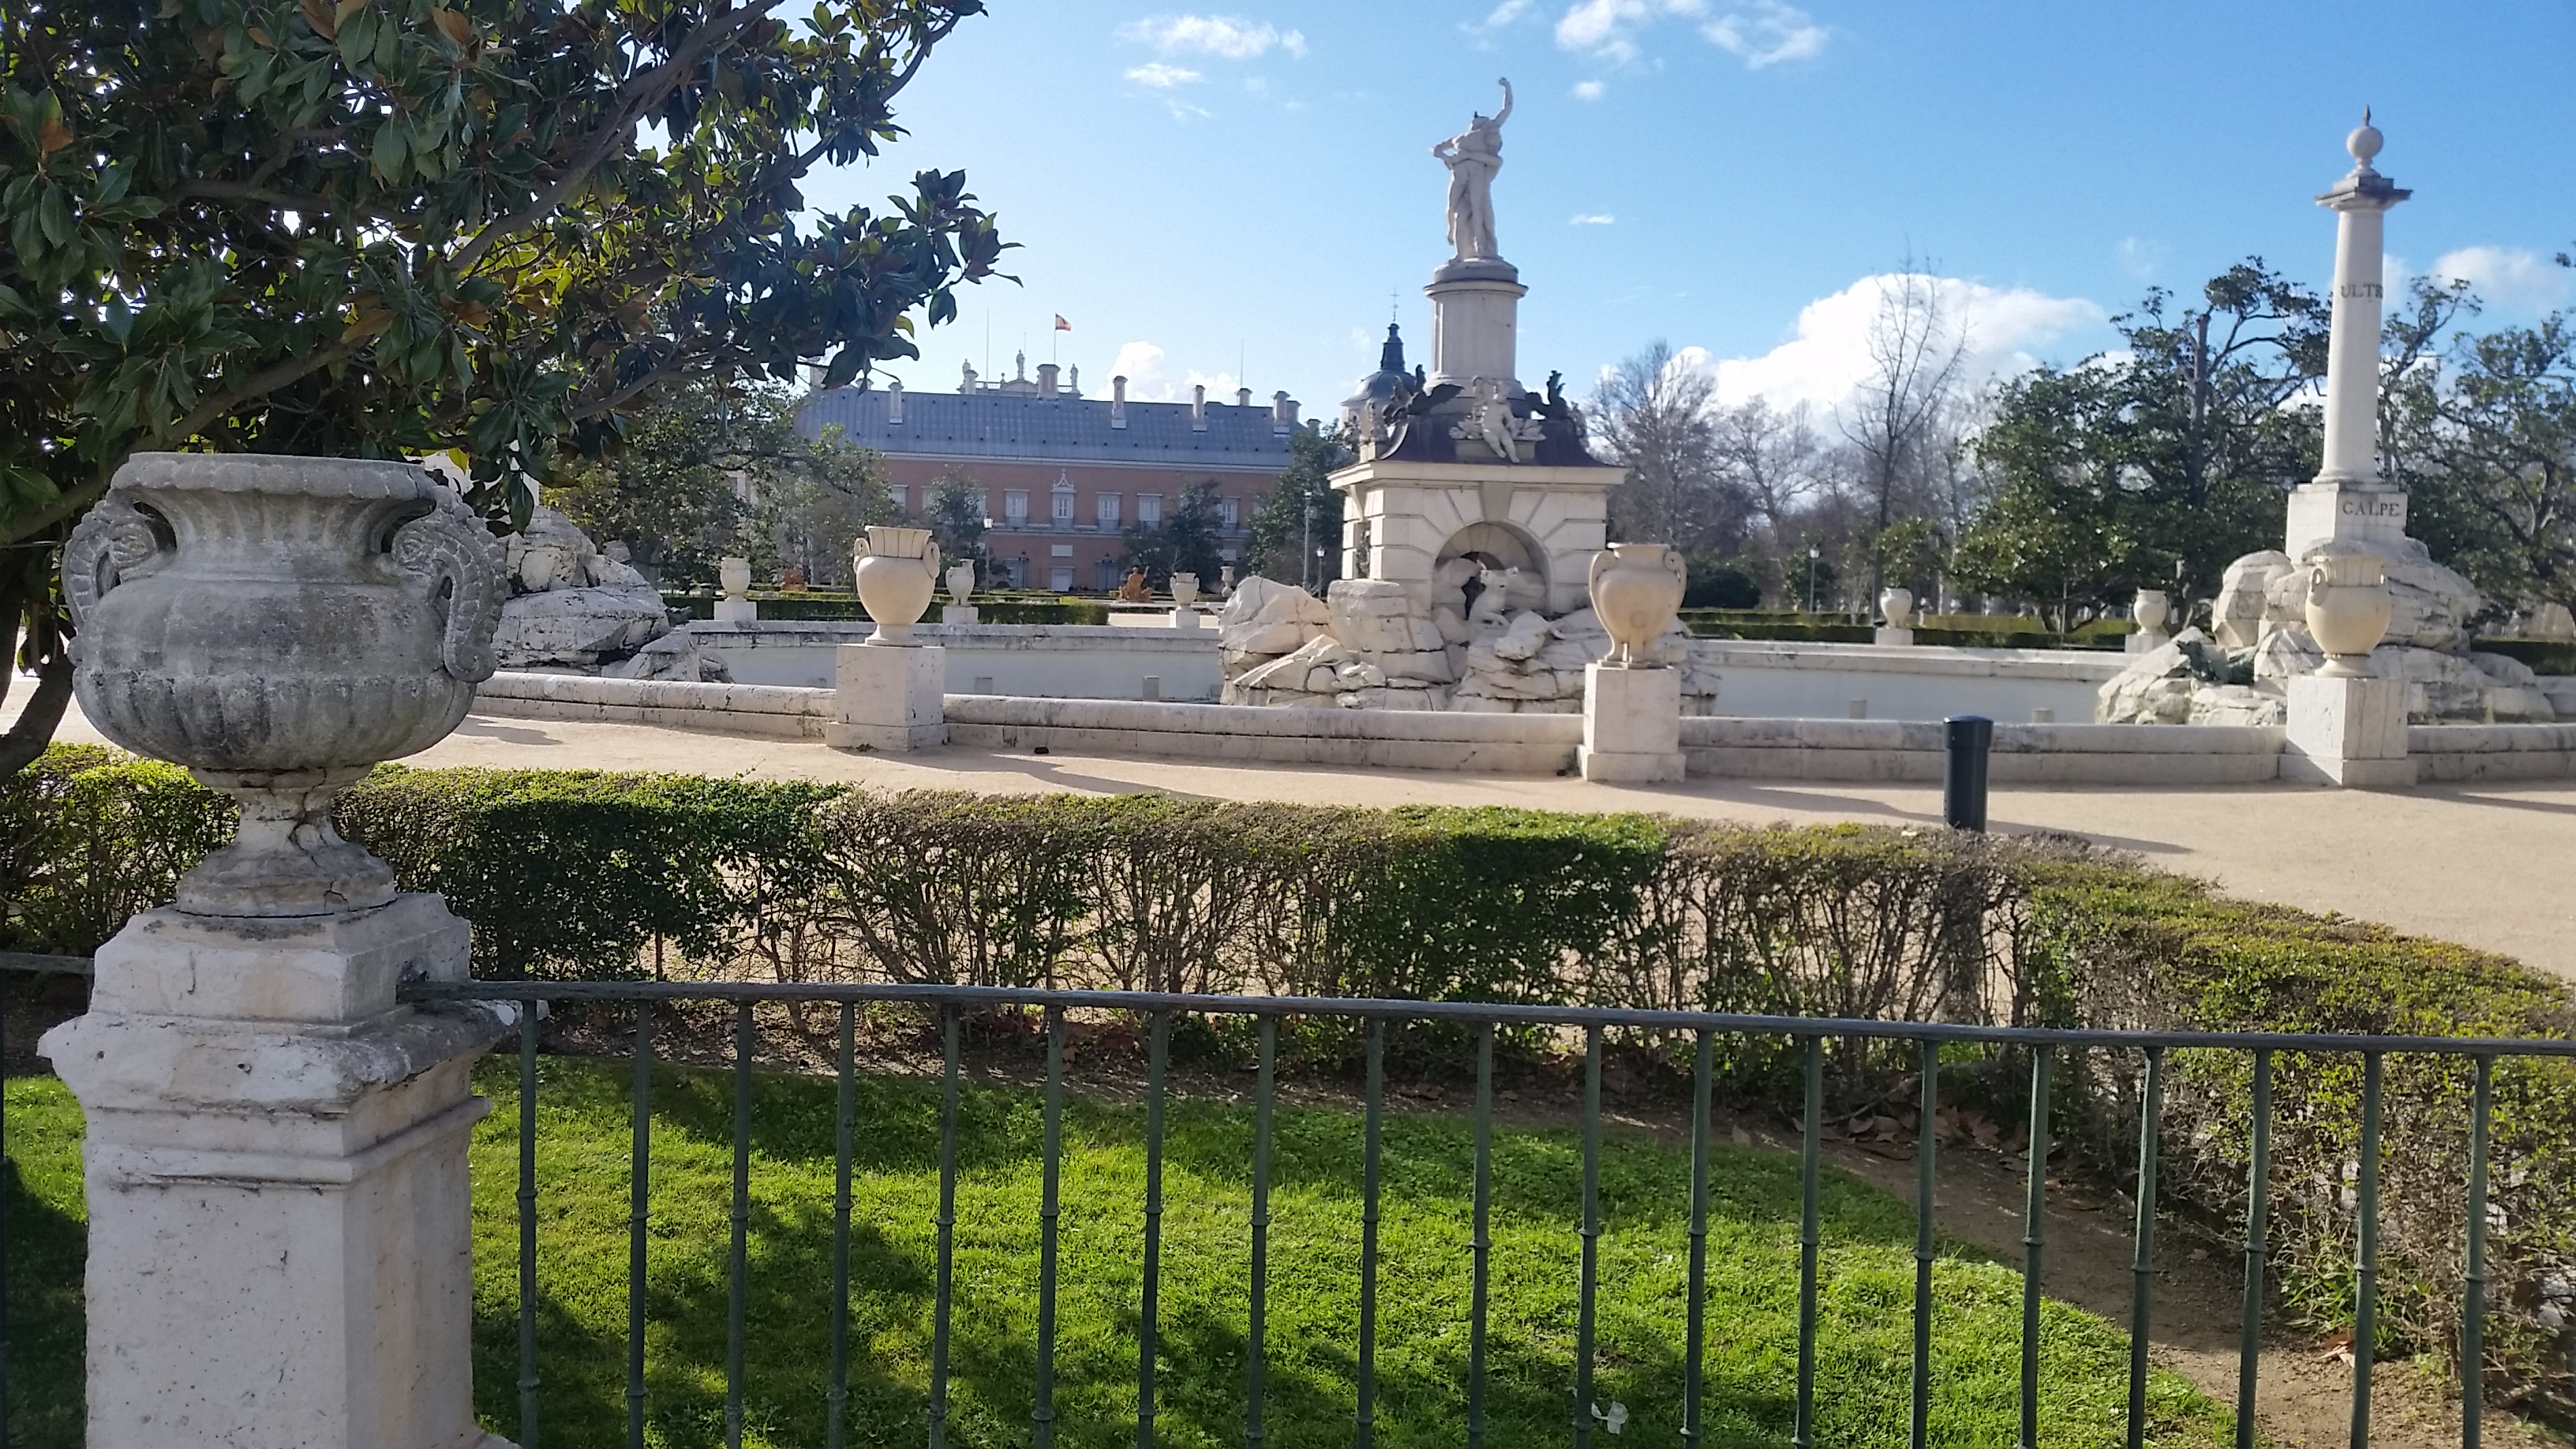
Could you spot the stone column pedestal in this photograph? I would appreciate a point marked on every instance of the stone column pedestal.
(1185, 618)
(960, 614)
(1632, 725)
(280, 1250)
(2145, 641)
(1890, 634)
(888, 697)
(2347, 732)
(736, 611)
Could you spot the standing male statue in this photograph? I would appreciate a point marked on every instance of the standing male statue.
(1473, 156)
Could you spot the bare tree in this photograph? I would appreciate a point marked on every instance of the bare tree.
(1916, 351)
(1654, 415)
(1774, 459)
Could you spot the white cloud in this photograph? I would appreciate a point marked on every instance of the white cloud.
(1593, 218)
(1829, 355)
(2512, 279)
(1766, 34)
(1588, 90)
(1163, 77)
(1149, 378)
(1502, 17)
(1219, 35)
(1758, 32)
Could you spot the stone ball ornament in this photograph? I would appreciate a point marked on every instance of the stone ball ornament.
(1636, 589)
(897, 569)
(279, 626)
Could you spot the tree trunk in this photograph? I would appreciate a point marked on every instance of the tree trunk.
(36, 724)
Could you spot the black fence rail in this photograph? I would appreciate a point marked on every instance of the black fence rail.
(1702, 1030)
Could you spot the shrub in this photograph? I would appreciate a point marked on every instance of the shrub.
(89, 837)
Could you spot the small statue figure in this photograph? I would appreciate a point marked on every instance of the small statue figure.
(792, 581)
(1133, 590)
(1473, 156)
(1493, 597)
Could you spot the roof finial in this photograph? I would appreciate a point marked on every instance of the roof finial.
(2364, 142)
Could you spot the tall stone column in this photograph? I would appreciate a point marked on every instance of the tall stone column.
(2349, 498)
(279, 1217)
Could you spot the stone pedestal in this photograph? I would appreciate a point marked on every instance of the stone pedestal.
(2348, 732)
(1632, 725)
(1185, 618)
(1890, 634)
(1414, 523)
(736, 611)
(960, 614)
(279, 1213)
(2145, 641)
(1475, 321)
(2367, 514)
(888, 697)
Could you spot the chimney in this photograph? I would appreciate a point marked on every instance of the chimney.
(1198, 408)
(1283, 413)
(1117, 402)
(1046, 379)
(1243, 397)
(894, 402)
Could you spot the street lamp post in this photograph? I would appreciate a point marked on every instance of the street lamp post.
(1813, 553)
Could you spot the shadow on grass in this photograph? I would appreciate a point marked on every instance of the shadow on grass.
(47, 1249)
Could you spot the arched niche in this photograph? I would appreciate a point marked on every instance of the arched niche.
(1456, 574)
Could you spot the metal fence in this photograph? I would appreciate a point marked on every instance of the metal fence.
(1810, 1036)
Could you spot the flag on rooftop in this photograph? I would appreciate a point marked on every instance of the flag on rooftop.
(1062, 325)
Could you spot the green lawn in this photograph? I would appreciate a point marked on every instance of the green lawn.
(582, 1158)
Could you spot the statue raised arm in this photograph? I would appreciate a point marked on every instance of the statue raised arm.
(1473, 156)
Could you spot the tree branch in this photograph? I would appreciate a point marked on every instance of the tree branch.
(641, 92)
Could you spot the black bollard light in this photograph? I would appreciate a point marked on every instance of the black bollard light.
(1968, 739)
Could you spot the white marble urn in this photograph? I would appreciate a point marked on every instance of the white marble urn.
(961, 581)
(734, 574)
(1896, 606)
(898, 569)
(2348, 607)
(280, 625)
(1636, 587)
(1185, 590)
(2150, 609)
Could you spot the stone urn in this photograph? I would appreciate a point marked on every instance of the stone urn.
(1636, 587)
(2149, 610)
(279, 626)
(961, 581)
(1185, 590)
(897, 570)
(1896, 606)
(734, 574)
(2348, 608)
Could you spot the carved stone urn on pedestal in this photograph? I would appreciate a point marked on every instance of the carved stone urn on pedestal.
(897, 569)
(279, 626)
(1636, 587)
(1185, 590)
(2149, 610)
(1896, 606)
(279, 1246)
(961, 581)
(2348, 607)
(734, 574)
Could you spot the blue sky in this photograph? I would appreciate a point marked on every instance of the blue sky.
(1233, 192)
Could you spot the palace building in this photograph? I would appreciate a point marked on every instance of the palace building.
(1064, 476)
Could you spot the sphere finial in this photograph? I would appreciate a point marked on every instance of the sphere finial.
(2365, 141)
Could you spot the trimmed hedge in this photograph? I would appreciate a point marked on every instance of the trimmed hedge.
(573, 874)
(825, 605)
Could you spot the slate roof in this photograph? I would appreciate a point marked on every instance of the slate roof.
(1049, 429)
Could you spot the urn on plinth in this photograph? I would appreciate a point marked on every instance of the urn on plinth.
(2149, 610)
(1185, 590)
(1896, 606)
(279, 626)
(734, 575)
(2348, 607)
(961, 582)
(897, 570)
(1636, 588)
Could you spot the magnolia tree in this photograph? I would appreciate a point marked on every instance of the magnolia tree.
(390, 227)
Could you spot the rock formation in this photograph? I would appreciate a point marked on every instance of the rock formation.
(1371, 646)
(2242, 675)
